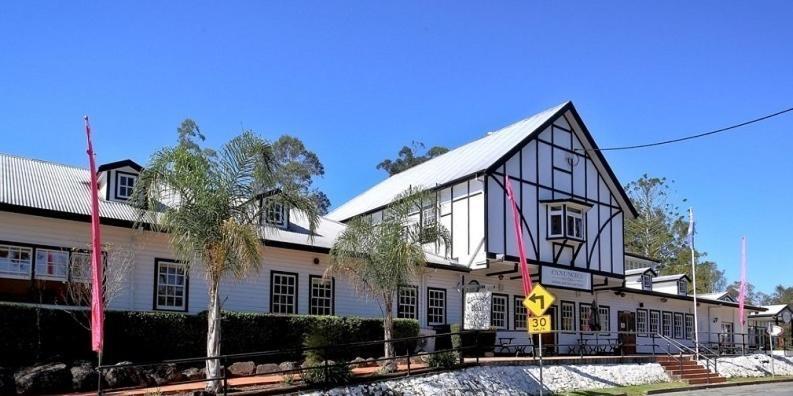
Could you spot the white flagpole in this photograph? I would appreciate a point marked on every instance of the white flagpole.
(694, 279)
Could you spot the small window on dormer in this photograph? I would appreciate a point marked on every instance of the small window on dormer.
(276, 215)
(125, 184)
(647, 282)
(682, 287)
(555, 221)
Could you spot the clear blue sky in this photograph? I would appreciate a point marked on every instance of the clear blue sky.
(357, 80)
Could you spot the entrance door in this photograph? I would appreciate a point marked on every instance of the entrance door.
(627, 323)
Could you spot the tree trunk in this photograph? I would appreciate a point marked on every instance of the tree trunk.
(388, 327)
(213, 336)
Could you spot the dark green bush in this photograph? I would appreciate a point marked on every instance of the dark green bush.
(29, 335)
(445, 359)
(318, 368)
(475, 343)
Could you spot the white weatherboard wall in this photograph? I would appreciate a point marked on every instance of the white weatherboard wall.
(251, 294)
(553, 165)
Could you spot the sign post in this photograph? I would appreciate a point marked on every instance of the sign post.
(537, 302)
(773, 331)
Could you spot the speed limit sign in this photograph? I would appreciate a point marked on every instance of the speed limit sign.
(539, 324)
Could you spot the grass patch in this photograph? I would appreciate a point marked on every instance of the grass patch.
(738, 380)
(634, 390)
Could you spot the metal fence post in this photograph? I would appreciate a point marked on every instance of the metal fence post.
(325, 380)
(224, 367)
(477, 346)
(409, 360)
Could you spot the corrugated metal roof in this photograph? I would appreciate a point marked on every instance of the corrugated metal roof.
(771, 310)
(666, 278)
(455, 164)
(49, 187)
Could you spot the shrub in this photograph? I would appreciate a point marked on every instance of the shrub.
(28, 335)
(474, 343)
(445, 359)
(319, 369)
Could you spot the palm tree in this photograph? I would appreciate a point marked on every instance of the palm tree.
(378, 257)
(210, 204)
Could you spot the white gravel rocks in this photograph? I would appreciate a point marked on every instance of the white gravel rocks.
(512, 380)
(757, 365)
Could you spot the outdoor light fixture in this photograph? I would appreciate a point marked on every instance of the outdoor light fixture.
(716, 319)
(663, 299)
(316, 261)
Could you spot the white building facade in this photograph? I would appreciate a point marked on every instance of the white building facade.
(572, 215)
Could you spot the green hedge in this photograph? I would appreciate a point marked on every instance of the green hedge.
(28, 335)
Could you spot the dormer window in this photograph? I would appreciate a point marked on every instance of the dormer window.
(682, 287)
(566, 219)
(647, 282)
(276, 215)
(125, 184)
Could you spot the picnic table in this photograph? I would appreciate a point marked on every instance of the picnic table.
(589, 346)
(506, 345)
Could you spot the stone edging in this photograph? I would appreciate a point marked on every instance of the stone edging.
(712, 386)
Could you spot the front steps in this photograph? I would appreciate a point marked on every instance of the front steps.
(688, 370)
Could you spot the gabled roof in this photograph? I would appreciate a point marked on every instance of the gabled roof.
(717, 296)
(637, 271)
(639, 256)
(771, 310)
(120, 164)
(471, 159)
(668, 278)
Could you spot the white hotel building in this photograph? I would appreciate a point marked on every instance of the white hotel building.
(572, 207)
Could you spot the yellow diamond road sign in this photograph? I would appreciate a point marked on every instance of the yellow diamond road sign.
(539, 300)
(539, 324)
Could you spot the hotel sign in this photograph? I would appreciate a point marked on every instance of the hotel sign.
(559, 277)
(477, 310)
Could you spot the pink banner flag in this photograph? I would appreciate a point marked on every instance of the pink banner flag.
(524, 269)
(742, 290)
(97, 299)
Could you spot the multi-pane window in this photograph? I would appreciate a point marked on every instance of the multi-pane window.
(51, 264)
(436, 306)
(682, 287)
(604, 315)
(15, 261)
(407, 302)
(275, 214)
(171, 286)
(126, 183)
(575, 223)
(498, 311)
(568, 316)
(555, 224)
(689, 326)
(641, 320)
(666, 324)
(655, 322)
(320, 296)
(584, 316)
(283, 291)
(80, 266)
(519, 316)
(647, 282)
(678, 325)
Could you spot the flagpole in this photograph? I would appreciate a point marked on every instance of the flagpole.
(694, 280)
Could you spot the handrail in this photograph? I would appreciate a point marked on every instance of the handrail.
(681, 347)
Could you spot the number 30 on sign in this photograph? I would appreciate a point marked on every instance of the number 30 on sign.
(539, 324)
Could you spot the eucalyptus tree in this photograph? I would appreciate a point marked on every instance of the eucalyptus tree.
(210, 204)
(379, 256)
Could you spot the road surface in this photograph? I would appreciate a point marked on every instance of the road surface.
(777, 389)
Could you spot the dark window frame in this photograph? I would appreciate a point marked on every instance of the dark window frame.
(675, 317)
(686, 334)
(562, 304)
(646, 329)
(650, 322)
(415, 306)
(506, 309)
(608, 318)
(154, 305)
(671, 325)
(580, 317)
(311, 294)
(517, 302)
(295, 299)
(445, 305)
(117, 185)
